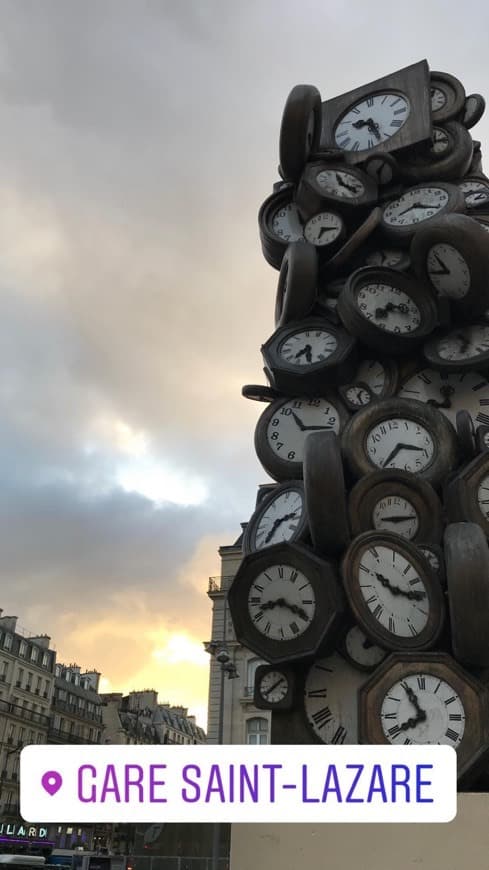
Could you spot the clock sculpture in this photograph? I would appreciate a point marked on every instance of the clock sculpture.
(364, 585)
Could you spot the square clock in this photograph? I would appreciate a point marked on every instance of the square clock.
(389, 114)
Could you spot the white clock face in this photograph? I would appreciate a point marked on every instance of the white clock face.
(483, 496)
(362, 650)
(286, 223)
(323, 229)
(441, 141)
(281, 602)
(475, 192)
(340, 183)
(448, 271)
(400, 443)
(393, 591)
(387, 307)
(423, 709)
(308, 346)
(371, 121)
(373, 374)
(289, 428)
(330, 699)
(358, 396)
(396, 514)
(274, 686)
(415, 206)
(438, 99)
(450, 393)
(280, 520)
(466, 343)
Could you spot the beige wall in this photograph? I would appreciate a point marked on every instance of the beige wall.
(454, 846)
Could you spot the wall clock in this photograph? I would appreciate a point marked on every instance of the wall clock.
(334, 185)
(398, 502)
(279, 223)
(280, 516)
(359, 650)
(286, 604)
(450, 392)
(419, 206)
(400, 433)
(283, 427)
(467, 493)
(330, 699)
(297, 283)
(300, 130)
(459, 349)
(476, 191)
(473, 110)
(393, 594)
(427, 699)
(390, 113)
(325, 493)
(448, 156)
(447, 96)
(452, 255)
(467, 567)
(274, 688)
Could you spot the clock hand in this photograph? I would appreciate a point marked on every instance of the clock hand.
(421, 714)
(282, 602)
(359, 124)
(373, 127)
(305, 350)
(314, 428)
(344, 184)
(416, 205)
(399, 519)
(401, 446)
(396, 590)
(446, 391)
(298, 421)
(390, 306)
(324, 230)
(443, 269)
(267, 691)
(277, 523)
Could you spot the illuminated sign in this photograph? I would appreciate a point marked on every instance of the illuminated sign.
(27, 831)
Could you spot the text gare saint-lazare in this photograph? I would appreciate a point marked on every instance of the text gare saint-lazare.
(256, 783)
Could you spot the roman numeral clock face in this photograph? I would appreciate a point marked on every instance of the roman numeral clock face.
(451, 393)
(281, 602)
(423, 709)
(371, 121)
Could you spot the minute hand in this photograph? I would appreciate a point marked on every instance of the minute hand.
(416, 205)
(397, 449)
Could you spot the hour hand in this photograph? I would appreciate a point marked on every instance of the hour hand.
(298, 421)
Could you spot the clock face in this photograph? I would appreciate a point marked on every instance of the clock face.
(361, 650)
(308, 346)
(323, 229)
(415, 206)
(448, 271)
(287, 431)
(280, 520)
(330, 699)
(450, 393)
(373, 374)
(371, 121)
(281, 602)
(441, 141)
(340, 183)
(438, 99)
(273, 686)
(400, 443)
(393, 591)
(423, 709)
(357, 395)
(286, 223)
(466, 343)
(388, 307)
(475, 192)
(393, 513)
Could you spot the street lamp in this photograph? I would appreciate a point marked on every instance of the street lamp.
(219, 650)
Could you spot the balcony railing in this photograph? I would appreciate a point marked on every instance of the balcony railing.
(58, 736)
(75, 710)
(24, 714)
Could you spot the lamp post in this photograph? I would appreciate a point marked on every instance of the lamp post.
(219, 650)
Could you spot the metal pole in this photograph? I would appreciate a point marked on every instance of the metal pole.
(216, 831)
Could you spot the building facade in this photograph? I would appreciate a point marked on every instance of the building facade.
(242, 722)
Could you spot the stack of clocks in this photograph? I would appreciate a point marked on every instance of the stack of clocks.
(365, 579)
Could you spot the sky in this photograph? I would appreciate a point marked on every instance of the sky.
(138, 140)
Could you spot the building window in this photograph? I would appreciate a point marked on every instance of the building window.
(7, 641)
(4, 670)
(257, 730)
(34, 654)
(45, 660)
(22, 648)
(251, 667)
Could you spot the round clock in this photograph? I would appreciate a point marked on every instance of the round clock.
(360, 651)
(330, 700)
(274, 688)
(418, 206)
(334, 184)
(381, 376)
(424, 699)
(284, 426)
(279, 517)
(325, 230)
(467, 493)
(286, 604)
(460, 349)
(386, 309)
(372, 120)
(389, 258)
(297, 283)
(397, 502)
(447, 157)
(383, 168)
(300, 130)
(476, 191)
(325, 495)
(392, 592)
(447, 96)
(467, 566)
(474, 108)
(356, 395)
(452, 255)
(279, 223)
(450, 392)
(402, 434)
(304, 357)
(353, 243)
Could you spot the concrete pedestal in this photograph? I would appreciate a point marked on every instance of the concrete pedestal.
(463, 843)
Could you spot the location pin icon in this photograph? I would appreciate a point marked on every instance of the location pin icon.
(52, 781)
